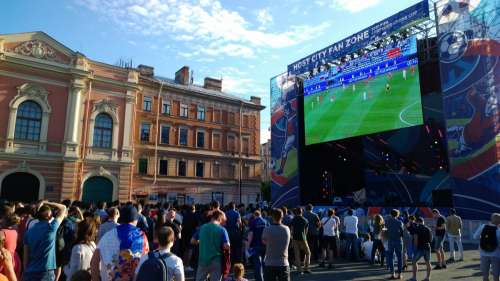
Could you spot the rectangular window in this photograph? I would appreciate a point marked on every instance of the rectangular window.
(246, 172)
(200, 139)
(165, 134)
(231, 143)
(147, 103)
(183, 136)
(216, 141)
(245, 121)
(216, 170)
(145, 131)
(163, 168)
(182, 169)
(231, 118)
(201, 113)
(184, 110)
(217, 115)
(143, 166)
(231, 171)
(246, 145)
(199, 169)
(166, 108)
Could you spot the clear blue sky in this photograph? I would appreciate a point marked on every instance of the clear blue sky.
(246, 42)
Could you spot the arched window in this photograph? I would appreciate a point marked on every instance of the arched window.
(28, 121)
(103, 131)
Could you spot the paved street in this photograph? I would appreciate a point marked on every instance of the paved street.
(468, 270)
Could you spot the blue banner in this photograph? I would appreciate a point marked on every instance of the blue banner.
(469, 44)
(284, 142)
(370, 35)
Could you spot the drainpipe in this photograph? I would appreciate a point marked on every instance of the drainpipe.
(156, 134)
(132, 167)
(85, 137)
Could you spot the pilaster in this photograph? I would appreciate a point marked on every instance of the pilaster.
(69, 180)
(73, 113)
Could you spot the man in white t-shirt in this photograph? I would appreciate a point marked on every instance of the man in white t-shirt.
(351, 233)
(329, 238)
(175, 267)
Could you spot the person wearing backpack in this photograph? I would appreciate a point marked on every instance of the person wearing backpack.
(489, 247)
(422, 237)
(120, 249)
(161, 264)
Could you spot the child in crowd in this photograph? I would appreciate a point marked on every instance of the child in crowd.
(239, 273)
(366, 247)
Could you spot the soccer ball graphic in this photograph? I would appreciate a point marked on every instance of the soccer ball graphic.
(452, 46)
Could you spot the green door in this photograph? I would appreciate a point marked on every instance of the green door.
(97, 189)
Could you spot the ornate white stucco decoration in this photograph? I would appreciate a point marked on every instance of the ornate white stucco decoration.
(36, 49)
(30, 91)
(105, 105)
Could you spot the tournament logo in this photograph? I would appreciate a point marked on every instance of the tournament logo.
(452, 46)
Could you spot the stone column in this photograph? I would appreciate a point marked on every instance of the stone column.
(128, 127)
(73, 124)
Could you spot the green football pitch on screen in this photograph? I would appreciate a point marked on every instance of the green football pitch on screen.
(386, 102)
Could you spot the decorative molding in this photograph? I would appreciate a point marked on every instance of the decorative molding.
(37, 49)
(32, 91)
(23, 166)
(105, 105)
(33, 78)
(80, 62)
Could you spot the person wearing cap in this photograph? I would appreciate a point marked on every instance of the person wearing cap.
(120, 249)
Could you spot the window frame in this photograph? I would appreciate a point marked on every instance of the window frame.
(179, 168)
(99, 143)
(30, 121)
(142, 161)
(187, 136)
(168, 109)
(198, 138)
(202, 170)
(162, 127)
(200, 113)
(141, 131)
(147, 104)
(166, 167)
(184, 110)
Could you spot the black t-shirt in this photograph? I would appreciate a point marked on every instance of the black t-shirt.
(439, 223)
(175, 225)
(412, 227)
(299, 228)
(424, 237)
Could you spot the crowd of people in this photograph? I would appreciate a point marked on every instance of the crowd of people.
(76, 241)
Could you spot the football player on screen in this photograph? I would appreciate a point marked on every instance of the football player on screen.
(289, 116)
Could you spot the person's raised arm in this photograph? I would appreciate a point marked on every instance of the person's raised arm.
(61, 210)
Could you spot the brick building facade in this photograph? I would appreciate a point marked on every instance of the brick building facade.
(71, 127)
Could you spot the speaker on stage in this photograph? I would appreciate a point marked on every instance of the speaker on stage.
(442, 198)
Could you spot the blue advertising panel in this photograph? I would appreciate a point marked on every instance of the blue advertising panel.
(363, 38)
(469, 53)
(284, 142)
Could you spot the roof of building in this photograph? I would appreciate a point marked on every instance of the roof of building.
(201, 90)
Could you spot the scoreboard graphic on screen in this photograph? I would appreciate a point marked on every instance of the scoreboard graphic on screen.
(377, 91)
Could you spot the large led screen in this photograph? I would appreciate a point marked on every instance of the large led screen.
(377, 91)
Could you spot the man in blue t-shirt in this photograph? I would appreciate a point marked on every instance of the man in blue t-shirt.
(233, 227)
(255, 246)
(40, 243)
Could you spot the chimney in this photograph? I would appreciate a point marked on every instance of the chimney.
(182, 76)
(213, 84)
(255, 100)
(146, 70)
